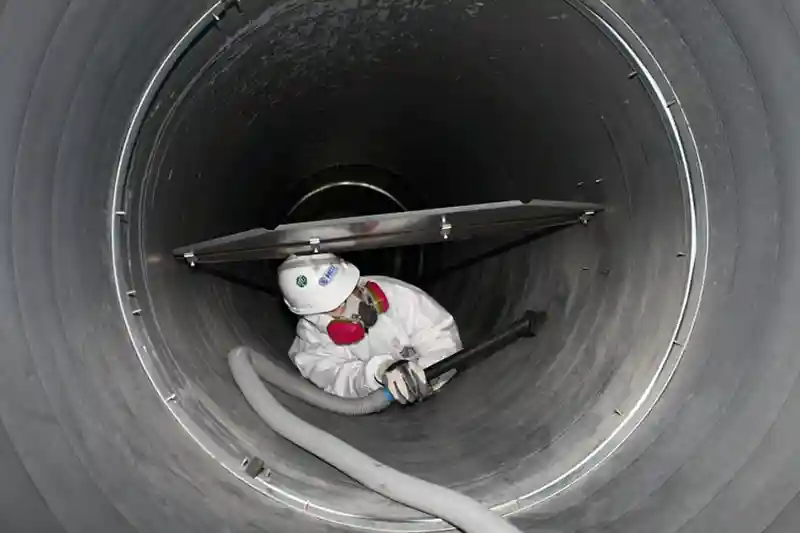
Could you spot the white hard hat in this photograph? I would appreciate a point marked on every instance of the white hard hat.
(316, 283)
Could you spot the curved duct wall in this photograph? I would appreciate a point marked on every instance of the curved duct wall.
(450, 102)
(306, 88)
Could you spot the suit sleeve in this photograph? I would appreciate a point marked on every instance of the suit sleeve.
(332, 368)
(433, 331)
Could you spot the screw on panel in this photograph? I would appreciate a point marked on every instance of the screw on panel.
(253, 466)
(617, 412)
(580, 184)
(633, 74)
(671, 103)
(137, 312)
(598, 180)
(681, 254)
(190, 258)
(445, 228)
(584, 268)
(676, 343)
(131, 294)
(171, 398)
(585, 217)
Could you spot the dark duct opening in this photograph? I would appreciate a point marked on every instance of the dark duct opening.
(455, 102)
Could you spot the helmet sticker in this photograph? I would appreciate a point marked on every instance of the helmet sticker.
(328, 276)
(301, 281)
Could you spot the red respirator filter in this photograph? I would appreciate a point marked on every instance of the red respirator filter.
(376, 297)
(344, 332)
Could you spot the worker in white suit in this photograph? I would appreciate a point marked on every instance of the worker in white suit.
(359, 334)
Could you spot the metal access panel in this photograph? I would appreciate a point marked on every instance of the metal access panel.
(389, 230)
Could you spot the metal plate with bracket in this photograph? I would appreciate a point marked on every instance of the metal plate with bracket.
(388, 230)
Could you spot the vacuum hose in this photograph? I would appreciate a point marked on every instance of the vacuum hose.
(457, 509)
(293, 384)
(527, 326)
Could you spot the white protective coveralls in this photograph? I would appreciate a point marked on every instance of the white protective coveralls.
(413, 319)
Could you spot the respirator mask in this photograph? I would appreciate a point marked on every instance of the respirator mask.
(361, 312)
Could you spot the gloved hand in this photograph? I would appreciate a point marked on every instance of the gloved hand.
(406, 381)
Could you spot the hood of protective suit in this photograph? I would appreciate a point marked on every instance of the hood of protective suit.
(319, 321)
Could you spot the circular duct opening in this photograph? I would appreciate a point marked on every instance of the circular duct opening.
(458, 102)
(358, 190)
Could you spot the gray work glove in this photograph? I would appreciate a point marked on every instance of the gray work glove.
(406, 381)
